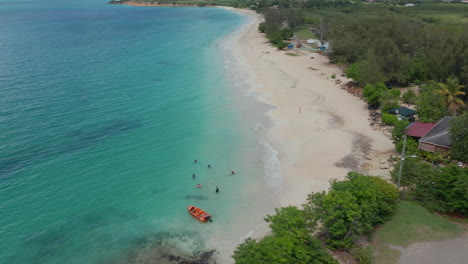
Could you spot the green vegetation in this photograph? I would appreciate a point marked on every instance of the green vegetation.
(372, 93)
(362, 254)
(445, 190)
(304, 33)
(389, 99)
(399, 131)
(290, 242)
(412, 223)
(459, 137)
(412, 168)
(185, 2)
(409, 97)
(351, 208)
(451, 92)
(430, 105)
(411, 146)
(274, 25)
(388, 119)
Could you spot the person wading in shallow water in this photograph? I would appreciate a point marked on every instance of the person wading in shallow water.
(217, 189)
(195, 161)
(209, 166)
(232, 172)
(193, 176)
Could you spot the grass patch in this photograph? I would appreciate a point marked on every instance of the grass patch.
(291, 54)
(456, 220)
(304, 33)
(412, 223)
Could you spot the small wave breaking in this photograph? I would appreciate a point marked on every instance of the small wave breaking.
(272, 166)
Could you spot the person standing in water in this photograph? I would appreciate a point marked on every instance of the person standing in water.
(193, 176)
(209, 166)
(232, 172)
(195, 161)
(217, 189)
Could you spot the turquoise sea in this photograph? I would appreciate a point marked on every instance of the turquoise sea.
(103, 109)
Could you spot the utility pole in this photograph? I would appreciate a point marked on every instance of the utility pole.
(401, 164)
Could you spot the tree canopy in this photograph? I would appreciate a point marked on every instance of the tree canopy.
(290, 242)
(352, 208)
(459, 137)
(430, 105)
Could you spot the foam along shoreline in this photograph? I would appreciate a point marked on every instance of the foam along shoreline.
(320, 131)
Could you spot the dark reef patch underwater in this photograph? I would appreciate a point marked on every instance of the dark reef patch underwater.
(80, 140)
(170, 248)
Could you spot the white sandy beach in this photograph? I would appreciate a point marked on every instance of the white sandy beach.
(328, 138)
(332, 128)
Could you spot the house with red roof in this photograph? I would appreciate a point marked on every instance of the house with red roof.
(418, 129)
(438, 138)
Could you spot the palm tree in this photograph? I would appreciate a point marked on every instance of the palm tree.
(451, 91)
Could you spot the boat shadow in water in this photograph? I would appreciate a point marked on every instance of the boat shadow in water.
(196, 197)
(78, 140)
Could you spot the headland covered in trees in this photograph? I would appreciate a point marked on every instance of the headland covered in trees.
(386, 55)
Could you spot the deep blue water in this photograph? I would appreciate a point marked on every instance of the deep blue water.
(103, 109)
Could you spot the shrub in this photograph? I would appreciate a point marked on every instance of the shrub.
(411, 146)
(430, 105)
(444, 190)
(351, 71)
(372, 93)
(351, 208)
(410, 97)
(290, 242)
(412, 170)
(389, 99)
(262, 27)
(435, 157)
(362, 254)
(389, 119)
(287, 33)
(282, 45)
(459, 137)
(399, 130)
(333, 76)
(310, 20)
(275, 38)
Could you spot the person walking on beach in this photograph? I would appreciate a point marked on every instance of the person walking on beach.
(217, 189)
(193, 176)
(300, 110)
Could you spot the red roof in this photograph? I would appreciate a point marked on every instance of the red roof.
(419, 129)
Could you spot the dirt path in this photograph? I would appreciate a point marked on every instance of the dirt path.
(453, 251)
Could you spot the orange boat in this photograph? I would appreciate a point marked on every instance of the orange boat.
(199, 214)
